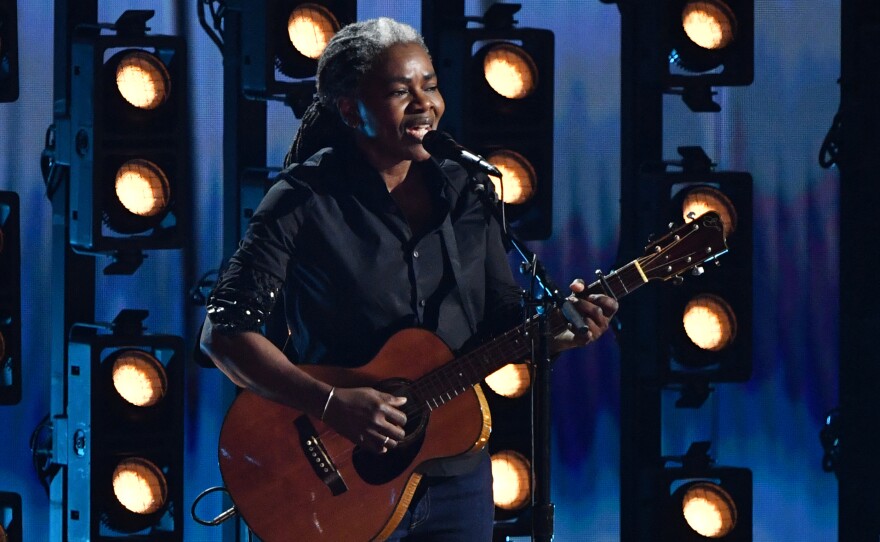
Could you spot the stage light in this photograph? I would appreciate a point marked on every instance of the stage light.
(8, 50)
(509, 70)
(282, 40)
(142, 79)
(125, 412)
(129, 171)
(140, 486)
(310, 27)
(709, 322)
(707, 509)
(511, 381)
(10, 299)
(511, 475)
(709, 24)
(141, 199)
(518, 182)
(139, 378)
(502, 107)
(703, 501)
(11, 521)
(702, 199)
(710, 43)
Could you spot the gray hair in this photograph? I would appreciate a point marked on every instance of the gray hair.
(349, 55)
(352, 51)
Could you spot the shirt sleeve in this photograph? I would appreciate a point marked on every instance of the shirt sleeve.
(249, 284)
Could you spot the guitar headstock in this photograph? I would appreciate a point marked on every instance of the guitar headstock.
(685, 248)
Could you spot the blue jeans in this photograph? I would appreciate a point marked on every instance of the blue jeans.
(451, 509)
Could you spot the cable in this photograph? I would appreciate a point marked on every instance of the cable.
(222, 517)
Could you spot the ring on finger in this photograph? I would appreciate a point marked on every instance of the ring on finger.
(384, 442)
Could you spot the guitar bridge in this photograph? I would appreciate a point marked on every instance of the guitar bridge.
(317, 456)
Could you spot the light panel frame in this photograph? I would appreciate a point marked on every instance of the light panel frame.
(106, 130)
(484, 121)
(731, 279)
(102, 429)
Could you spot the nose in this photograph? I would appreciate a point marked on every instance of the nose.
(422, 101)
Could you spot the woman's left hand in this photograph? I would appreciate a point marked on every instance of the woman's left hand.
(597, 311)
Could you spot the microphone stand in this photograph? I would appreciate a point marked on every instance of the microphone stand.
(542, 507)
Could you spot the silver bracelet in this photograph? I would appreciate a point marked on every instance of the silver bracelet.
(329, 396)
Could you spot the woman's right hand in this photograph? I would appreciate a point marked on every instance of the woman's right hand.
(367, 417)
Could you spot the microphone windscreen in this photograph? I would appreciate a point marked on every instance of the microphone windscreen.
(439, 144)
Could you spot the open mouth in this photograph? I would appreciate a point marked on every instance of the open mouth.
(418, 127)
(418, 132)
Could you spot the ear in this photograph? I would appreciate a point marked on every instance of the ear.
(348, 110)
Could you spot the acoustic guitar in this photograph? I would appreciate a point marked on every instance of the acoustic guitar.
(292, 477)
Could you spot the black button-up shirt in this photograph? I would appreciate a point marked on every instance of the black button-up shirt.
(329, 235)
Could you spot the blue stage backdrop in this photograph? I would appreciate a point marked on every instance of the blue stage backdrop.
(772, 129)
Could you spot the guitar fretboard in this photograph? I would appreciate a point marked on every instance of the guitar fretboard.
(458, 376)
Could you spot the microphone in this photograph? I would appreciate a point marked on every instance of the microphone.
(441, 145)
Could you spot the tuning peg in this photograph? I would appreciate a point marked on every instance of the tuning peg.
(697, 271)
(691, 215)
(717, 263)
(677, 280)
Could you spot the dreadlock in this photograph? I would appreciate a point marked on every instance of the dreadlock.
(347, 58)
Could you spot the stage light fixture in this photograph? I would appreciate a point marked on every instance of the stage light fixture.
(11, 521)
(700, 200)
(8, 50)
(705, 321)
(310, 27)
(710, 43)
(129, 140)
(509, 70)
(141, 197)
(10, 299)
(282, 40)
(707, 509)
(709, 322)
(703, 501)
(502, 107)
(139, 377)
(511, 381)
(710, 328)
(142, 79)
(519, 182)
(140, 486)
(709, 24)
(125, 419)
(508, 393)
(511, 480)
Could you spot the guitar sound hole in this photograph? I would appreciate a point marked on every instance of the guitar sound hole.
(379, 469)
(416, 417)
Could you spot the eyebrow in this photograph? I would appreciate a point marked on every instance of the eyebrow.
(407, 80)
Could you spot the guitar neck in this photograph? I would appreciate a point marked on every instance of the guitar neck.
(618, 283)
(447, 382)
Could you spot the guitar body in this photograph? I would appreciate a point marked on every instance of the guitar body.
(292, 477)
